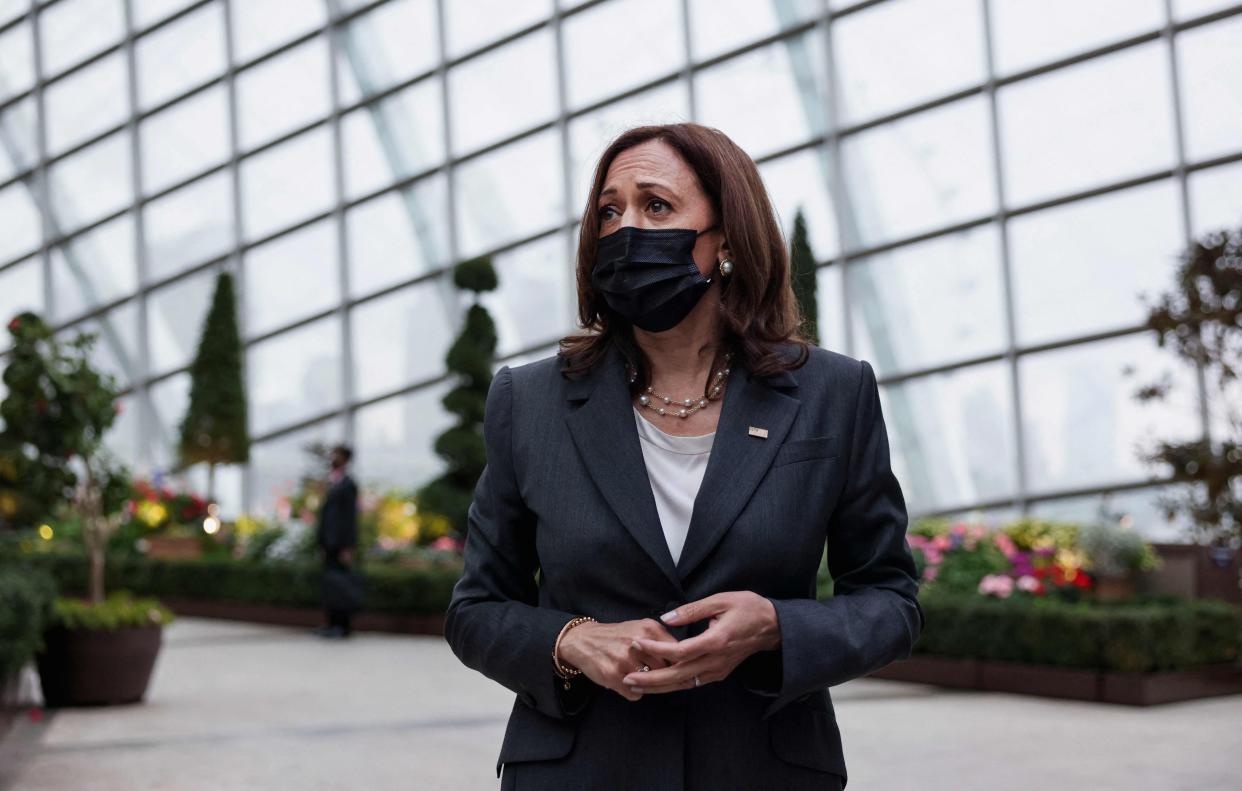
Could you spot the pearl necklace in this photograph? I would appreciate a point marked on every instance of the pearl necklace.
(663, 404)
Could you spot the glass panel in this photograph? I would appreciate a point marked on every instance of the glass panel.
(1074, 128)
(884, 53)
(1185, 9)
(398, 236)
(176, 313)
(1210, 66)
(262, 25)
(472, 23)
(537, 300)
(21, 221)
(1139, 505)
(395, 137)
(768, 99)
(169, 399)
(718, 26)
(383, 47)
(590, 134)
(16, 60)
(396, 436)
(295, 375)
(186, 139)
(929, 303)
(124, 438)
(1215, 200)
(11, 9)
(86, 103)
(510, 193)
(116, 349)
(1029, 34)
(277, 466)
(292, 277)
(180, 55)
(72, 30)
(18, 130)
(800, 181)
(284, 93)
(831, 303)
(601, 42)
(919, 173)
(21, 289)
(92, 183)
(95, 268)
(189, 226)
(503, 92)
(288, 183)
(951, 436)
(1080, 418)
(148, 12)
(1071, 279)
(401, 338)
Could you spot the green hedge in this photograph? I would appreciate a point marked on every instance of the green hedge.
(1150, 633)
(26, 600)
(294, 584)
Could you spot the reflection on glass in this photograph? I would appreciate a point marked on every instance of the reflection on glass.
(902, 52)
(928, 303)
(1081, 422)
(601, 42)
(1031, 34)
(919, 173)
(72, 30)
(175, 314)
(1210, 68)
(180, 55)
(718, 26)
(1073, 278)
(800, 182)
(86, 103)
(591, 133)
(189, 226)
(287, 183)
(1075, 128)
(951, 436)
(295, 375)
(396, 437)
(21, 289)
(291, 277)
(262, 25)
(1215, 200)
(509, 193)
(91, 183)
(536, 300)
(21, 221)
(383, 47)
(831, 307)
(398, 236)
(471, 24)
(94, 268)
(395, 137)
(767, 99)
(277, 466)
(18, 129)
(116, 347)
(284, 93)
(401, 338)
(1140, 505)
(503, 92)
(187, 138)
(16, 60)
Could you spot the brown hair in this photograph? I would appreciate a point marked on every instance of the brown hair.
(758, 310)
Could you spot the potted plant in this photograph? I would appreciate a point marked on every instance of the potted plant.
(56, 414)
(1116, 555)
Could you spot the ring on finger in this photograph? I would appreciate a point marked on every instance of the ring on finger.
(644, 668)
(697, 682)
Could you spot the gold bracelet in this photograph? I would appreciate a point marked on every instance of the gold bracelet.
(565, 671)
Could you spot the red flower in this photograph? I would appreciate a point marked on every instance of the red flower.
(119, 407)
(1082, 580)
(14, 324)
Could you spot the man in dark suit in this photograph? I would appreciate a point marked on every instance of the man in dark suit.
(337, 537)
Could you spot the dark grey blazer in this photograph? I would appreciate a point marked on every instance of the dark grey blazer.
(566, 493)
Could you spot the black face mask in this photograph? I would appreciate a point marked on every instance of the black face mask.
(649, 275)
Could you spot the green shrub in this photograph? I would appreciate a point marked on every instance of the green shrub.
(26, 598)
(119, 611)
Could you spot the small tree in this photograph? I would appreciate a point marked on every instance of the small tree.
(804, 276)
(461, 446)
(213, 430)
(1201, 319)
(55, 415)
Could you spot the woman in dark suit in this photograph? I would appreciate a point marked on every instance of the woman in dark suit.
(643, 544)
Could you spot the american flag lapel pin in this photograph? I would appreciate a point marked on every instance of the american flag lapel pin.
(755, 431)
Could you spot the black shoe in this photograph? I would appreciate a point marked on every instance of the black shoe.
(331, 632)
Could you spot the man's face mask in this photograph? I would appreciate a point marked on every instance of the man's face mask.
(649, 275)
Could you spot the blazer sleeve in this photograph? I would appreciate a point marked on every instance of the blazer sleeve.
(874, 616)
(494, 623)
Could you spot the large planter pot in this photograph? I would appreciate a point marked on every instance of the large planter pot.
(82, 667)
(174, 547)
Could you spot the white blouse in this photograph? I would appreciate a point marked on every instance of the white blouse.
(675, 466)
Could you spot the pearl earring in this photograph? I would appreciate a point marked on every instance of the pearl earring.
(726, 266)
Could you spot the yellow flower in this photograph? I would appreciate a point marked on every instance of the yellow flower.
(8, 504)
(151, 514)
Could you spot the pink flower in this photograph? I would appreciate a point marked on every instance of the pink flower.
(1005, 544)
(942, 542)
(997, 585)
(1028, 583)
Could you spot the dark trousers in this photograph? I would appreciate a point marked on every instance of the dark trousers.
(335, 617)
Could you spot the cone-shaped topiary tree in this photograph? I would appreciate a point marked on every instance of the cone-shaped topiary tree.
(803, 274)
(461, 446)
(214, 428)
